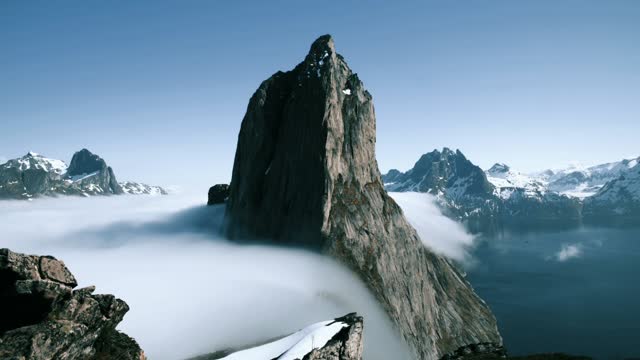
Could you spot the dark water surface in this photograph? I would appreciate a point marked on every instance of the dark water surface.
(584, 300)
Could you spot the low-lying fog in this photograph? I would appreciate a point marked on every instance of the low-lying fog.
(190, 291)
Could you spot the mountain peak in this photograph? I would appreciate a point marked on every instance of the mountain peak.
(323, 44)
(499, 168)
(85, 162)
(309, 137)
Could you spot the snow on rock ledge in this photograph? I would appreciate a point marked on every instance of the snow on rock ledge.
(338, 339)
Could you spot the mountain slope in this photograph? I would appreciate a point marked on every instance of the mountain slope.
(34, 175)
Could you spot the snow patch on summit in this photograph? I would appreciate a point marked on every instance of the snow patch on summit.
(294, 346)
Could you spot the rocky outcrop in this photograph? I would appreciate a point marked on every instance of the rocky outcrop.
(345, 345)
(337, 339)
(218, 194)
(44, 318)
(482, 351)
(305, 173)
(34, 175)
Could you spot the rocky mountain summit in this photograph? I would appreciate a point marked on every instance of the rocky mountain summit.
(503, 196)
(34, 175)
(305, 174)
(43, 317)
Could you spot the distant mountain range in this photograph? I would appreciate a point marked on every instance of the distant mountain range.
(34, 175)
(503, 196)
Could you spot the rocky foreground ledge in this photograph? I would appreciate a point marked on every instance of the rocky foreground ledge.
(43, 317)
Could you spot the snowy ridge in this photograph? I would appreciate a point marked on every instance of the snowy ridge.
(36, 161)
(507, 181)
(34, 175)
(575, 181)
(502, 195)
(294, 346)
(134, 188)
(581, 182)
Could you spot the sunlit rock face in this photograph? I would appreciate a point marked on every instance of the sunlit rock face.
(44, 318)
(305, 173)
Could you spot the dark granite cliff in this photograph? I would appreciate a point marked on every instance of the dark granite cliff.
(305, 173)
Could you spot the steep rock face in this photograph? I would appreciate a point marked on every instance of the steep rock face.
(618, 199)
(218, 194)
(44, 318)
(89, 168)
(305, 173)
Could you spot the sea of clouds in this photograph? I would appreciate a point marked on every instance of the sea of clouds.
(190, 291)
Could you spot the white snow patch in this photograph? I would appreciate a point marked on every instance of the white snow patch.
(346, 91)
(76, 178)
(294, 346)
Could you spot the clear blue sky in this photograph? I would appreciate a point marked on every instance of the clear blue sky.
(159, 88)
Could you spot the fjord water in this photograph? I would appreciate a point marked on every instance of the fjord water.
(574, 291)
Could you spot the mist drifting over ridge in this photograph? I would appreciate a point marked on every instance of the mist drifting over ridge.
(190, 291)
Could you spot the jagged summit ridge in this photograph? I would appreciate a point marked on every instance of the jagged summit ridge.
(35, 175)
(305, 173)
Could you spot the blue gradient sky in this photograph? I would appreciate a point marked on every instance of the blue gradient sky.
(159, 88)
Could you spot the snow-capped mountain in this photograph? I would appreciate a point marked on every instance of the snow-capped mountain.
(504, 195)
(582, 182)
(618, 198)
(508, 182)
(88, 174)
(462, 188)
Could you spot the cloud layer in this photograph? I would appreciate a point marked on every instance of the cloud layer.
(437, 232)
(190, 291)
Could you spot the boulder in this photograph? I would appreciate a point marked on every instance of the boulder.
(44, 318)
(218, 194)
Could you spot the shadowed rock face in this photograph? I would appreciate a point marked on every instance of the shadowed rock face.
(43, 318)
(305, 173)
(345, 345)
(85, 162)
(218, 194)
